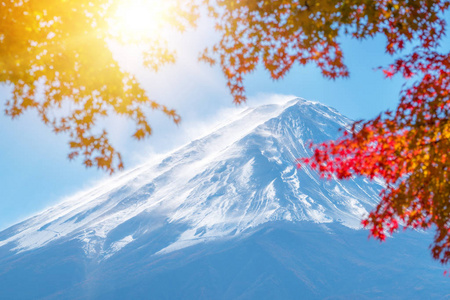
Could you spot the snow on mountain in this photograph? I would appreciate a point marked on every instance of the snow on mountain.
(220, 186)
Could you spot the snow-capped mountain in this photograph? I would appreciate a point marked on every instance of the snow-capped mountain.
(230, 188)
(221, 185)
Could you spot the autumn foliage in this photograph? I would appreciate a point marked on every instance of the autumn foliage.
(55, 55)
(408, 149)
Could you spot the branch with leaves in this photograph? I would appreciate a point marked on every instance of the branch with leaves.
(56, 57)
(60, 47)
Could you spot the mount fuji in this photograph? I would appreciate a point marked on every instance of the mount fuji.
(228, 216)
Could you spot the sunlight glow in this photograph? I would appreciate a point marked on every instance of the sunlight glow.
(136, 20)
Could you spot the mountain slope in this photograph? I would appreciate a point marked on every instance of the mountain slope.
(207, 216)
(236, 178)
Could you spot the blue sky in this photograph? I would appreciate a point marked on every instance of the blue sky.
(35, 171)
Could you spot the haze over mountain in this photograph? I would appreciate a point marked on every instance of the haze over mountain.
(228, 216)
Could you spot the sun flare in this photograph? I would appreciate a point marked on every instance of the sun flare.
(139, 19)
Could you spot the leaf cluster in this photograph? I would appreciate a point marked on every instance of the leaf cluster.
(55, 55)
(281, 33)
(407, 149)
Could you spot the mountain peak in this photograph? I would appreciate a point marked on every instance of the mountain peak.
(222, 185)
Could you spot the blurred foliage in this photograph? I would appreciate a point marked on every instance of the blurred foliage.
(55, 54)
